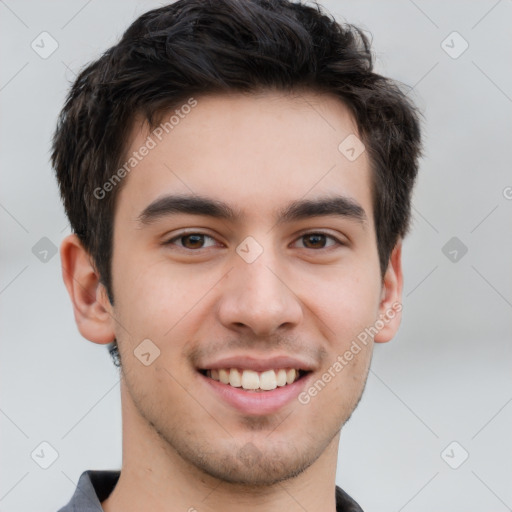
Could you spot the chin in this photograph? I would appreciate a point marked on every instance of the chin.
(257, 463)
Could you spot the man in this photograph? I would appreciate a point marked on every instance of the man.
(238, 183)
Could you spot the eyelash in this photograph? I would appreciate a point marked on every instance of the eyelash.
(185, 234)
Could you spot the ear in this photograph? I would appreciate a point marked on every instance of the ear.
(92, 309)
(390, 306)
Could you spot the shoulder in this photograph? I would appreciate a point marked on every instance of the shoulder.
(344, 503)
(93, 487)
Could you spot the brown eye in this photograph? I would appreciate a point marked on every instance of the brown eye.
(318, 241)
(314, 241)
(190, 241)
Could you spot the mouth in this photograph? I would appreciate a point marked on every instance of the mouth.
(255, 381)
(255, 393)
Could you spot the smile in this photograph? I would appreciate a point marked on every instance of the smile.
(251, 380)
(255, 393)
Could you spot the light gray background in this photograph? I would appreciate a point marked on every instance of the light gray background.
(445, 377)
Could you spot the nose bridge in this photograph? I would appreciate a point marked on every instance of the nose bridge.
(260, 285)
(257, 297)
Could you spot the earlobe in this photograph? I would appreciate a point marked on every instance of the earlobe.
(390, 306)
(92, 309)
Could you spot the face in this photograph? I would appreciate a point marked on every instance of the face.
(245, 240)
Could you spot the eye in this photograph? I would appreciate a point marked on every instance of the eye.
(190, 241)
(196, 241)
(318, 240)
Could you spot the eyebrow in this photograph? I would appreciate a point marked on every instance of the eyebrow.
(168, 205)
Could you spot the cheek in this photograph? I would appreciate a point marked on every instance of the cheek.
(346, 300)
(145, 295)
(158, 300)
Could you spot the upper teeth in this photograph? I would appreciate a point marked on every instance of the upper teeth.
(249, 379)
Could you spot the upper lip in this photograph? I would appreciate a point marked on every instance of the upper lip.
(259, 364)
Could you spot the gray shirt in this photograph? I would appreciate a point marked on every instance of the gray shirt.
(95, 486)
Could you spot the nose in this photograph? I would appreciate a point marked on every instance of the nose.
(258, 296)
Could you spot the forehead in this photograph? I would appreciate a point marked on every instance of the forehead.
(255, 152)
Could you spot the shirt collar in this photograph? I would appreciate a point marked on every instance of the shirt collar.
(95, 486)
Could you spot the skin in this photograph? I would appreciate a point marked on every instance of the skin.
(183, 446)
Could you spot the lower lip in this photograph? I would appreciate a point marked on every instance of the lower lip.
(257, 402)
